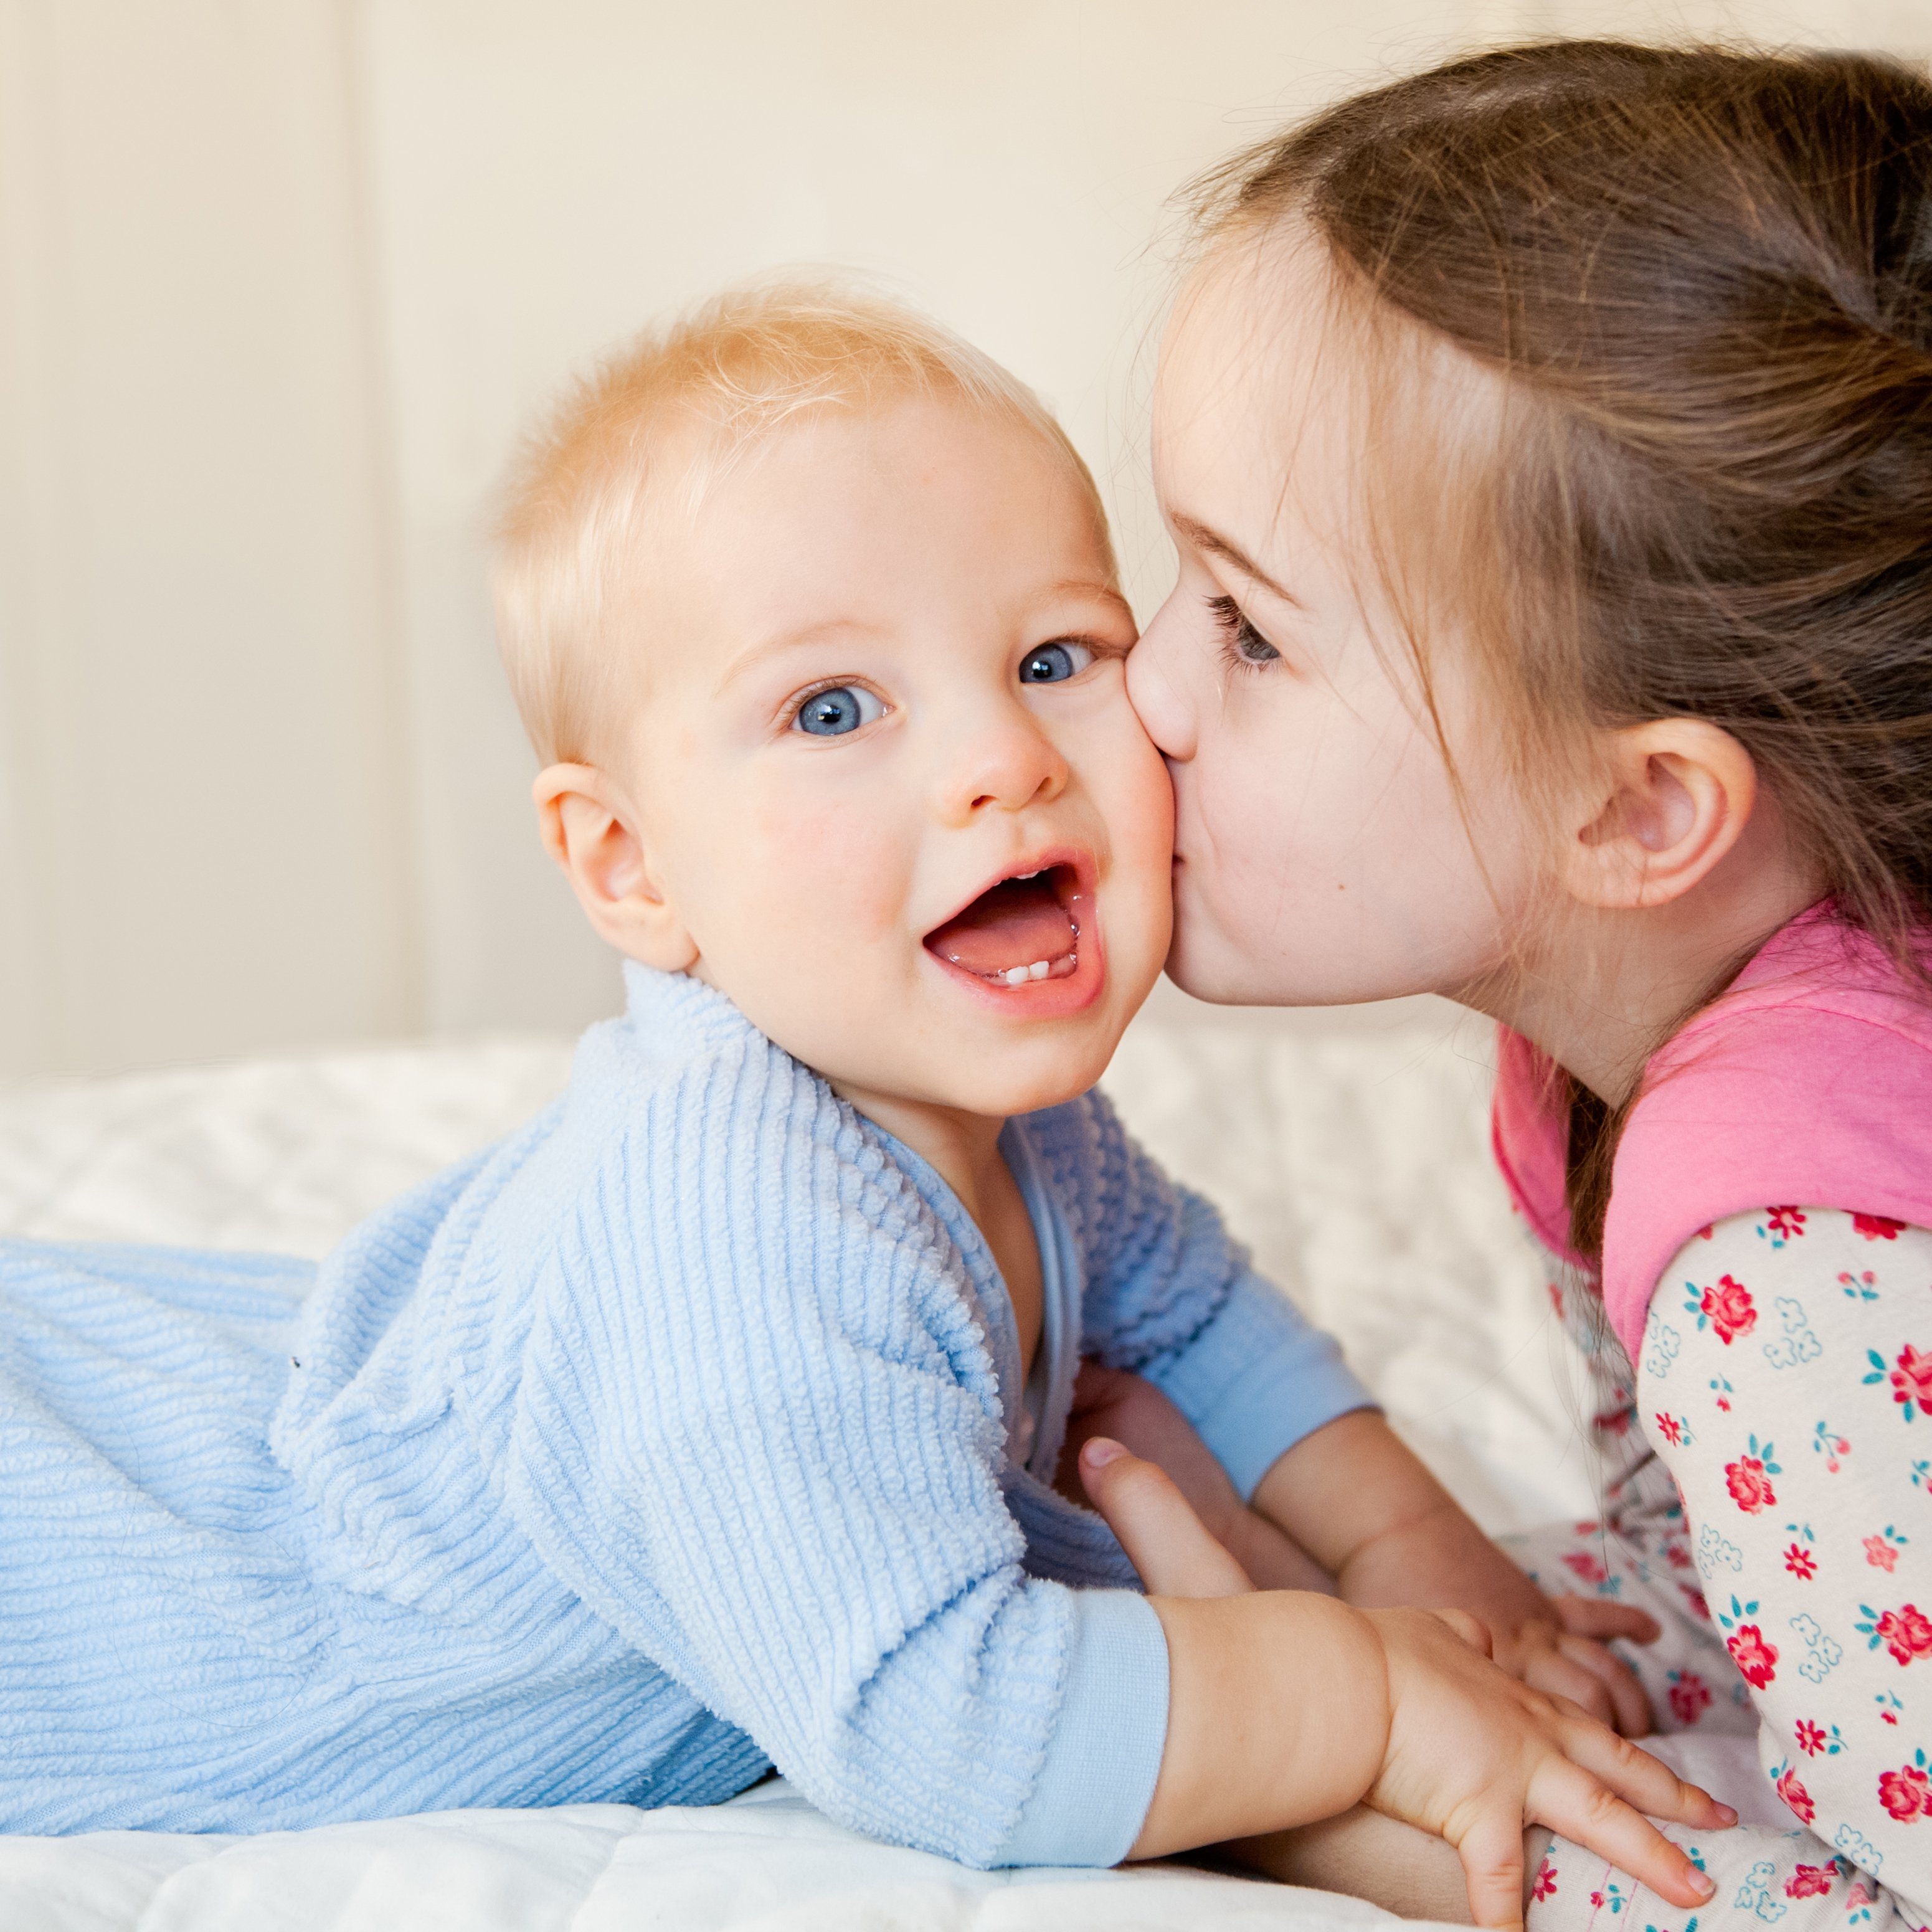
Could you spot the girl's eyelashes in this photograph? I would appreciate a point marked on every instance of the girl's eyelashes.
(1243, 647)
(833, 711)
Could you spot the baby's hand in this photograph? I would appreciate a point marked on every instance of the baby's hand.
(1471, 1755)
(1474, 1757)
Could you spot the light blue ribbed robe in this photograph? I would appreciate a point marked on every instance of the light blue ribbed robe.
(661, 1442)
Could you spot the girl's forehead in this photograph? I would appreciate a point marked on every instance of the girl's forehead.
(1257, 405)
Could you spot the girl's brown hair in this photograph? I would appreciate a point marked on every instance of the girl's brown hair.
(1704, 280)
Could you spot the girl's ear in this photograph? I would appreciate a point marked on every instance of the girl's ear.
(590, 829)
(1681, 793)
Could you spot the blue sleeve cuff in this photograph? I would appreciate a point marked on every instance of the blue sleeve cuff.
(1103, 1758)
(1257, 1380)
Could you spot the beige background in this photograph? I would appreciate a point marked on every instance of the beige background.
(279, 279)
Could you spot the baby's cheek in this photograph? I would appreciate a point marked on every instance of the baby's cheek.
(833, 875)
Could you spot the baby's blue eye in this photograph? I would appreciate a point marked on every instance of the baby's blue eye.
(831, 714)
(1054, 664)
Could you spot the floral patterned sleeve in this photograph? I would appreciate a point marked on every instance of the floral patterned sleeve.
(1785, 1378)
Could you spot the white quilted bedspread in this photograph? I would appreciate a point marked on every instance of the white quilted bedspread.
(1349, 1150)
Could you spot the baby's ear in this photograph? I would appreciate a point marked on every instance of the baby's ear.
(591, 830)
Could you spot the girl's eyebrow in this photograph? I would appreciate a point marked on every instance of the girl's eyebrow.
(1203, 538)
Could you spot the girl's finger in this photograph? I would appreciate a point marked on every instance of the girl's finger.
(1633, 1707)
(1491, 1850)
(1471, 1630)
(1166, 1542)
(1632, 1773)
(1597, 1617)
(1562, 1676)
(1577, 1806)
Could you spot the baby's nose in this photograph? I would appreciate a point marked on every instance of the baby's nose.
(1005, 764)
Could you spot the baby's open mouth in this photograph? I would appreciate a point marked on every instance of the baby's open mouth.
(1017, 931)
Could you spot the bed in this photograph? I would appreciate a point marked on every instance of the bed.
(1350, 1150)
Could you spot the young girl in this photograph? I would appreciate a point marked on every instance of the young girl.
(1547, 440)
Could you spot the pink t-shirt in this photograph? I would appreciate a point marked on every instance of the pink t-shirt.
(1810, 1081)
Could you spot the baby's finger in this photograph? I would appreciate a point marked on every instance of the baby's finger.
(1633, 1707)
(1491, 1850)
(1574, 1804)
(1167, 1542)
(1597, 1617)
(1632, 1773)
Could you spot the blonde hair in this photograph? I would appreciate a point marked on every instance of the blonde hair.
(667, 418)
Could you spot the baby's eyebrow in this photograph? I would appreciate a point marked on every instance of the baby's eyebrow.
(1088, 587)
(1203, 537)
(825, 631)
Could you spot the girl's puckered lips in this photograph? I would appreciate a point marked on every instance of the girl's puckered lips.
(1029, 940)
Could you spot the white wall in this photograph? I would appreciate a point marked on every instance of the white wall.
(279, 280)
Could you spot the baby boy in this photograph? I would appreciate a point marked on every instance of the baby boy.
(712, 1421)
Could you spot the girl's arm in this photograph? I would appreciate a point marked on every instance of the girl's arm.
(1785, 1370)
(1365, 1506)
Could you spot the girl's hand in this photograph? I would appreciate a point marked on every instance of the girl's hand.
(1564, 1653)
(1126, 1409)
(1357, 1497)
(1469, 1754)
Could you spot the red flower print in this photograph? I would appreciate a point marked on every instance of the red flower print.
(1545, 1886)
(1801, 1563)
(1756, 1660)
(1587, 1566)
(1689, 1698)
(1811, 1881)
(1880, 1554)
(1877, 1227)
(1907, 1632)
(1728, 1307)
(1750, 1487)
(1906, 1793)
(1670, 1428)
(1677, 1556)
(1811, 1737)
(1911, 1380)
(1786, 1223)
(1695, 1598)
(1794, 1795)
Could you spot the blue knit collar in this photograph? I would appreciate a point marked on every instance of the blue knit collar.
(674, 1003)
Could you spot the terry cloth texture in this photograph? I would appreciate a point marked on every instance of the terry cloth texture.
(661, 1442)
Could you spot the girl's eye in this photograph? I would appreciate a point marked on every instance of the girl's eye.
(831, 714)
(1244, 643)
(1054, 664)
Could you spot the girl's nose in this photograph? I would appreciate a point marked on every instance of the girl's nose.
(1166, 712)
(1006, 763)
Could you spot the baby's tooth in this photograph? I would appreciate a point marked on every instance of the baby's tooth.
(1038, 969)
(1016, 975)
